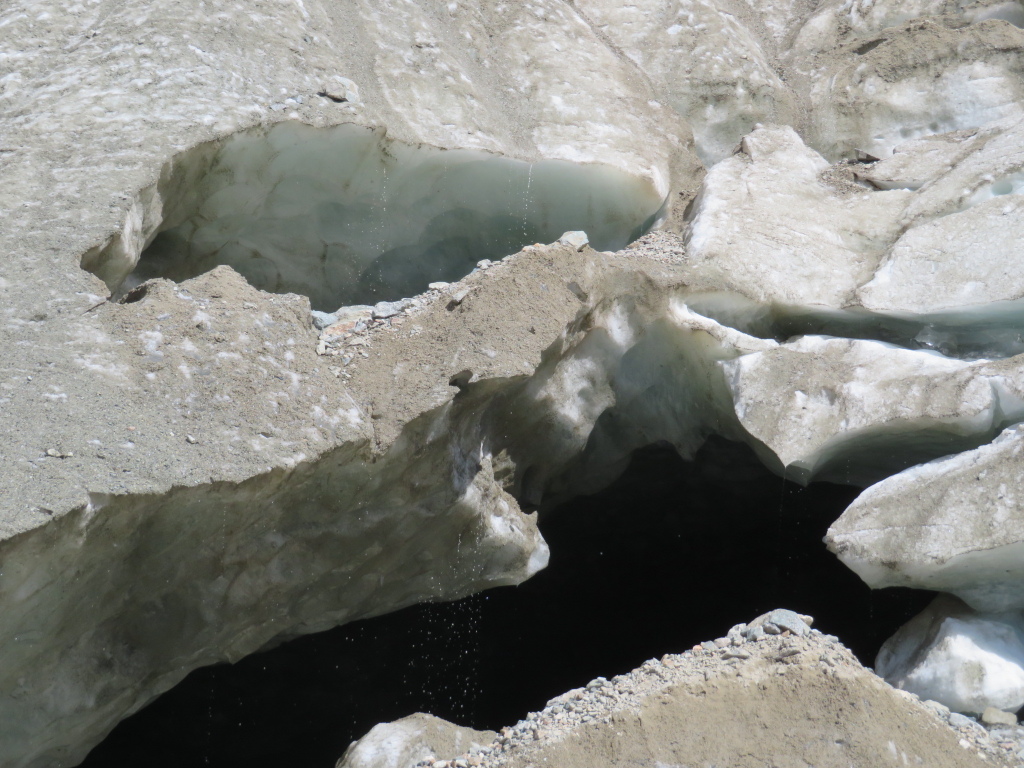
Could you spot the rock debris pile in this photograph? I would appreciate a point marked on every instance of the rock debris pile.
(348, 332)
(603, 722)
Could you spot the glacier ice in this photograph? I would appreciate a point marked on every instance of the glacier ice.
(764, 216)
(964, 261)
(408, 741)
(964, 659)
(776, 248)
(954, 525)
(928, 79)
(345, 215)
(147, 588)
(712, 65)
(854, 411)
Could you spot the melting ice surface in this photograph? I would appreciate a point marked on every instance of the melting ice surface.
(345, 215)
(990, 331)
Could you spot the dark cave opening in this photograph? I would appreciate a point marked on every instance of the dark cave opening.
(673, 553)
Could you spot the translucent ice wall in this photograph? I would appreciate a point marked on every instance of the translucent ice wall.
(345, 215)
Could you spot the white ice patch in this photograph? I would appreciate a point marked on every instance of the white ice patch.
(100, 364)
(152, 340)
(618, 326)
(1010, 184)
(965, 660)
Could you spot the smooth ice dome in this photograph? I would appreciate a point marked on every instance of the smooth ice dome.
(405, 742)
(854, 410)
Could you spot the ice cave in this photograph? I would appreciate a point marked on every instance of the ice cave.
(657, 562)
(347, 216)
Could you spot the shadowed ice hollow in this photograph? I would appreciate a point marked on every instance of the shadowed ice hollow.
(346, 215)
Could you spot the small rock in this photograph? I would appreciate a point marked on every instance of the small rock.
(754, 633)
(737, 653)
(960, 721)
(938, 708)
(577, 291)
(458, 297)
(357, 313)
(385, 309)
(190, 440)
(484, 263)
(438, 286)
(576, 239)
(340, 90)
(323, 319)
(994, 716)
(778, 621)
(735, 634)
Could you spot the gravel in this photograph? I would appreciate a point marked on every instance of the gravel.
(603, 701)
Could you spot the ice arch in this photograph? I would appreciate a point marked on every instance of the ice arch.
(346, 215)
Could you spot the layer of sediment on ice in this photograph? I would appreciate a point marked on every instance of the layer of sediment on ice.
(697, 705)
